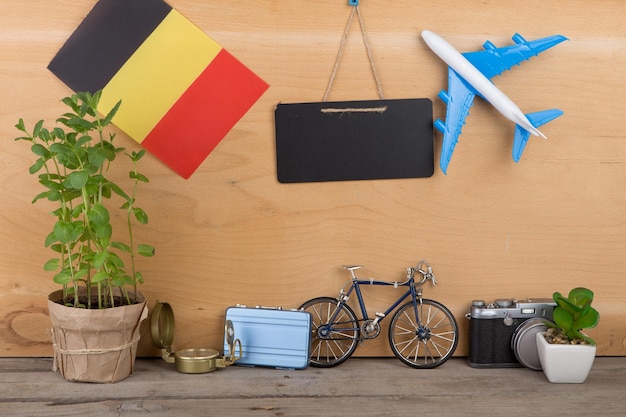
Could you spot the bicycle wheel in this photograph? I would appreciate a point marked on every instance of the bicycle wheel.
(425, 341)
(331, 343)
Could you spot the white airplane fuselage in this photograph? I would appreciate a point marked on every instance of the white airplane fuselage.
(478, 81)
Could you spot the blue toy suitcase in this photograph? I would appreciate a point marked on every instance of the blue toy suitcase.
(271, 336)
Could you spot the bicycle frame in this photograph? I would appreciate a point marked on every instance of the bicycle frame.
(356, 288)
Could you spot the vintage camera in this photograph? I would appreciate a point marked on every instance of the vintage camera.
(502, 333)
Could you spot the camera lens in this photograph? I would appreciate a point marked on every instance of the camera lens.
(524, 343)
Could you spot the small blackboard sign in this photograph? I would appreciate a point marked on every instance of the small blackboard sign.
(354, 140)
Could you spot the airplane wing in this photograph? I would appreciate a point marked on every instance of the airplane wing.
(494, 61)
(460, 95)
(459, 98)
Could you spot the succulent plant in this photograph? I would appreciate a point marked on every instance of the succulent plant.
(574, 313)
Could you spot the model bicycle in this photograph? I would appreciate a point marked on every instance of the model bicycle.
(422, 333)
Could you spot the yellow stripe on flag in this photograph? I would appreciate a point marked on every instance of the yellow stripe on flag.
(157, 74)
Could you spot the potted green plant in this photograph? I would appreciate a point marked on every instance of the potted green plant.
(566, 354)
(98, 301)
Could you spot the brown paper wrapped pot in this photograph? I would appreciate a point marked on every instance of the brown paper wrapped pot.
(95, 345)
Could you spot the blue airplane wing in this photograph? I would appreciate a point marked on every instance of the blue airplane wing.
(494, 61)
(459, 98)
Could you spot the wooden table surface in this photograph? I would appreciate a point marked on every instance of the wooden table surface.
(360, 386)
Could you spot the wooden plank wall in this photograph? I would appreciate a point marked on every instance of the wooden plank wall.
(232, 234)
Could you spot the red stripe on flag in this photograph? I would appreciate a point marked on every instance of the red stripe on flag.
(204, 114)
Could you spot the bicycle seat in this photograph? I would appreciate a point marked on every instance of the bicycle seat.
(352, 267)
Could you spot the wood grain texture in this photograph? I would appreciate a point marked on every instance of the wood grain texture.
(232, 234)
(369, 387)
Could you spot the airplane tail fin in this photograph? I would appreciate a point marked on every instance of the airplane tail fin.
(536, 119)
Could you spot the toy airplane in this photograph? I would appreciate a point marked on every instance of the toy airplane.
(469, 74)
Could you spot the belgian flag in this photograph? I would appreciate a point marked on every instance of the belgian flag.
(181, 92)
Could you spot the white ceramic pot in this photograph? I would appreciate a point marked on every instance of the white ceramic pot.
(565, 363)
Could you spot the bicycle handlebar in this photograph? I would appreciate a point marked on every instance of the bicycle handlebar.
(426, 275)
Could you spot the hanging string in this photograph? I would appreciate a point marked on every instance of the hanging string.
(340, 53)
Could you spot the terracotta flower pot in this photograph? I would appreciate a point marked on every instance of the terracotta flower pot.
(565, 363)
(95, 345)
